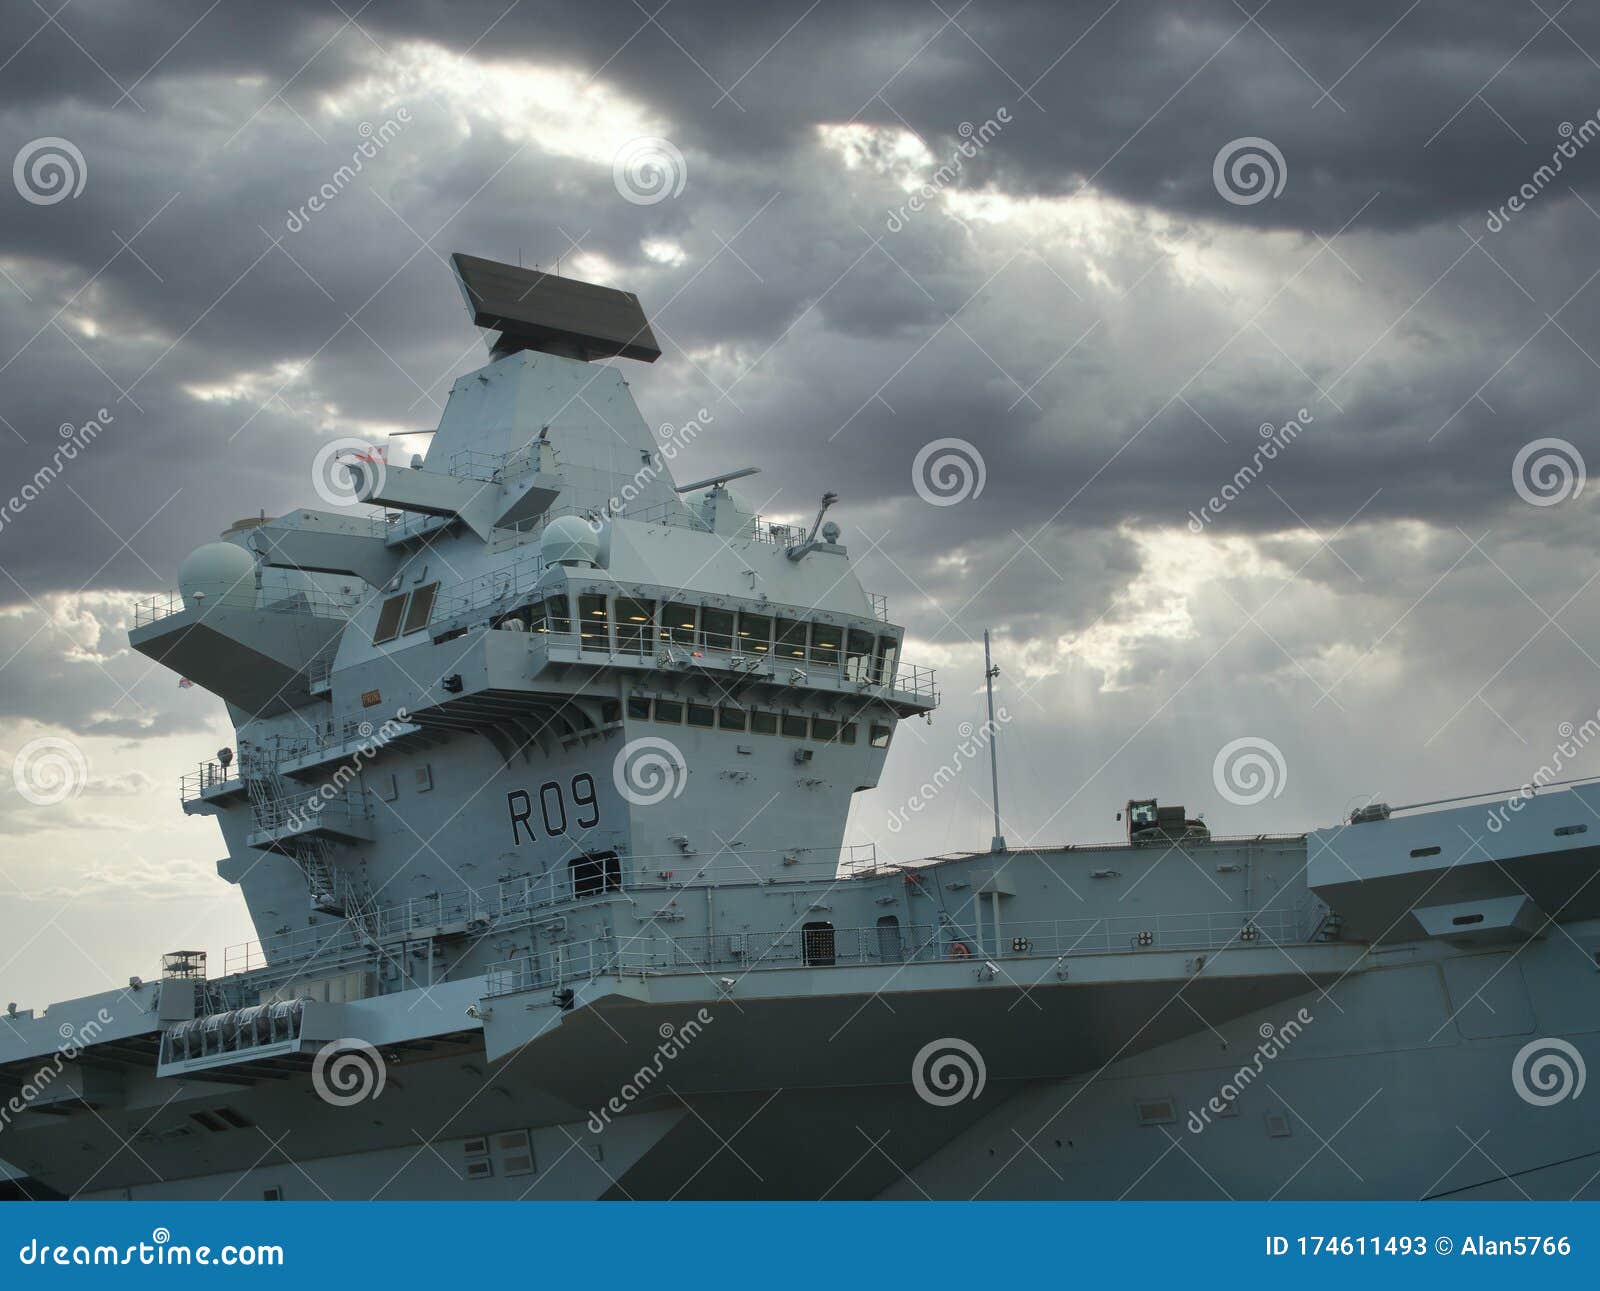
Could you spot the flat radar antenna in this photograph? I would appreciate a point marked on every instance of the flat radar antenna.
(717, 481)
(533, 310)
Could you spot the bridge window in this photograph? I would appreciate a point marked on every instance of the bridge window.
(669, 710)
(825, 639)
(858, 654)
(792, 639)
(755, 634)
(634, 631)
(847, 733)
(702, 715)
(816, 941)
(389, 619)
(716, 629)
(887, 662)
(794, 725)
(880, 736)
(677, 623)
(824, 728)
(731, 719)
(639, 707)
(557, 613)
(593, 624)
(763, 722)
(421, 608)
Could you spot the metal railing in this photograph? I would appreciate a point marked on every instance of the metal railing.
(821, 946)
(880, 606)
(211, 775)
(524, 897)
(470, 464)
(302, 811)
(244, 596)
(720, 650)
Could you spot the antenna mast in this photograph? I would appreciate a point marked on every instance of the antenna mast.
(990, 672)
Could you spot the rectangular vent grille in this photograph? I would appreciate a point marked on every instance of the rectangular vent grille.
(1155, 1111)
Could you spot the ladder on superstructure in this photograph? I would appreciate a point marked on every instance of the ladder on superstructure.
(334, 890)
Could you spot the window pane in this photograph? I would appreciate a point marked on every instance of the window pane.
(669, 710)
(610, 711)
(677, 623)
(880, 737)
(824, 728)
(635, 630)
(716, 629)
(858, 653)
(794, 725)
(755, 633)
(791, 639)
(825, 643)
(847, 733)
(421, 608)
(762, 723)
(731, 719)
(593, 625)
(702, 715)
(557, 613)
(389, 620)
(639, 708)
(889, 652)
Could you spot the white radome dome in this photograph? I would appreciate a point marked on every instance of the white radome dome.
(218, 571)
(569, 540)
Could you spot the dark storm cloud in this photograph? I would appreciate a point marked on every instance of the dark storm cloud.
(1426, 363)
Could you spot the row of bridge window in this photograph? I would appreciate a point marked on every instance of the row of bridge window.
(758, 721)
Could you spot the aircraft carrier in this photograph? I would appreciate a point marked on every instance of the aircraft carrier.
(538, 802)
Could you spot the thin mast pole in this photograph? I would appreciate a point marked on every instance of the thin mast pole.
(998, 842)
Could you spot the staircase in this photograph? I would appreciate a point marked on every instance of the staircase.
(334, 889)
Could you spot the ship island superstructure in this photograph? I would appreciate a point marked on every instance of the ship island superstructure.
(538, 806)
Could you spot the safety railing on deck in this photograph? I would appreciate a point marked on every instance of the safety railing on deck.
(526, 895)
(244, 596)
(819, 945)
(210, 776)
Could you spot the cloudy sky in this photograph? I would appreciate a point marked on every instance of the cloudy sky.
(1112, 248)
